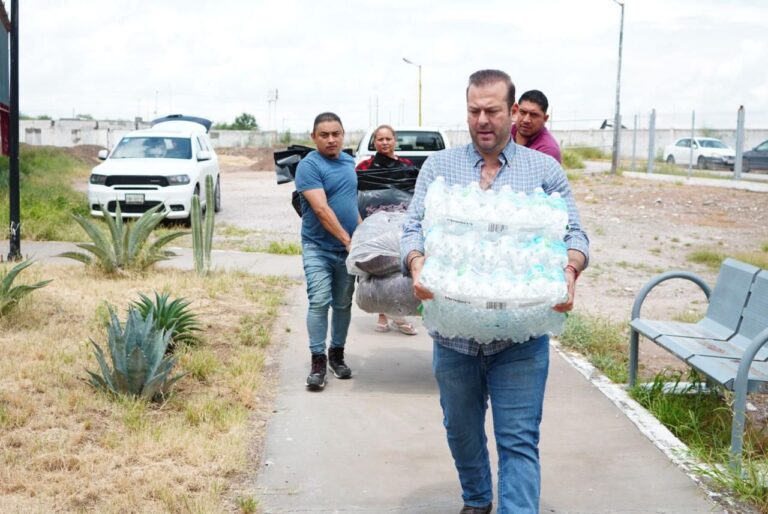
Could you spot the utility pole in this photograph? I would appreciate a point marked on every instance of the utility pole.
(418, 66)
(13, 176)
(617, 116)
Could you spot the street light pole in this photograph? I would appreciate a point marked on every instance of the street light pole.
(13, 159)
(617, 114)
(419, 66)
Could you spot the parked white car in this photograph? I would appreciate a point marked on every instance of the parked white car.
(414, 143)
(165, 164)
(707, 153)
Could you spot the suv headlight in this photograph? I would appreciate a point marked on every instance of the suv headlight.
(98, 179)
(177, 180)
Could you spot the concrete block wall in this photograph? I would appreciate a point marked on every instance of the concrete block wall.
(106, 133)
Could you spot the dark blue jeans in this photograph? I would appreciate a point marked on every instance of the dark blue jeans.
(514, 380)
(328, 285)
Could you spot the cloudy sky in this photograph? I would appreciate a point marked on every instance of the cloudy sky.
(120, 59)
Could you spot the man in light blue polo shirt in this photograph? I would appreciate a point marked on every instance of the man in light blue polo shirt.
(327, 181)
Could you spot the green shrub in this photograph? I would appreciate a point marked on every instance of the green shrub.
(127, 245)
(572, 161)
(707, 257)
(602, 341)
(140, 367)
(10, 295)
(587, 152)
(174, 317)
(48, 199)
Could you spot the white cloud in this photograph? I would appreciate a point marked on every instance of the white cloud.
(218, 59)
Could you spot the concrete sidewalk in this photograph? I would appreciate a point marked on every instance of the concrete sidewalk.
(251, 262)
(376, 444)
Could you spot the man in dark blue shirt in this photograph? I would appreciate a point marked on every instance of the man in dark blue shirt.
(327, 182)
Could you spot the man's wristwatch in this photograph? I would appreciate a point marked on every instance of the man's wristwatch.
(576, 272)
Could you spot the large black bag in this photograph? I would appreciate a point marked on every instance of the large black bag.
(386, 186)
(286, 162)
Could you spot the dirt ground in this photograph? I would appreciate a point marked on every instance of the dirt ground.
(639, 228)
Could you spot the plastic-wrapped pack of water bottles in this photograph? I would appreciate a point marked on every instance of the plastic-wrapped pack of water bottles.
(494, 262)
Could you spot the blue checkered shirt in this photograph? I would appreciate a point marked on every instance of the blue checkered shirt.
(523, 170)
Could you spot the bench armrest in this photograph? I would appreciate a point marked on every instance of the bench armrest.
(658, 279)
(740, 396)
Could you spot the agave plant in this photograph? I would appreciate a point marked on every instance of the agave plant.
(140, 367)
(127, 245)
(10, 295)
(173, 316)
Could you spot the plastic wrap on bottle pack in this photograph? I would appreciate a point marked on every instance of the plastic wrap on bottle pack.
(392, 295)
(375, 247)
(494, 262)
(460, 209)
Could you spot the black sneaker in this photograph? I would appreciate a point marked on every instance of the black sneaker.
(468, 509)
(316, 378)
(337, 364)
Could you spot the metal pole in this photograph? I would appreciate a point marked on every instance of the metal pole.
(418, 66)
(738, 164)
(690, 153)
(634, 143)
(617, 117)
(651, 140)
(13, 176)
(419, 95)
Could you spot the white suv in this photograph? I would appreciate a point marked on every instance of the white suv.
(414, 143)
(165, 164)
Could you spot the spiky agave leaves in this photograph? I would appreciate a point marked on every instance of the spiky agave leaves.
(140, 367)
(127, 245)
(10, 295)
(173, 316)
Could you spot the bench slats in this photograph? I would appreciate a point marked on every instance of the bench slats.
(686, 347)
(755, 317)
(652, 329)
(724, 371)
(730, 293)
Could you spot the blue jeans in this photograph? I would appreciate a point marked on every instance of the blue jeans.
(328, 285)
(514, 380)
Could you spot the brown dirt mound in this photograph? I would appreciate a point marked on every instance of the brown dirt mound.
(253, 159)
(85, 153)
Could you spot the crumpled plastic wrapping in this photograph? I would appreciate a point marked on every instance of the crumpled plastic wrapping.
(375, 248)
(390, 200)
(392, 295)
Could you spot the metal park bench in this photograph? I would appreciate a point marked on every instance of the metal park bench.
(726, 346)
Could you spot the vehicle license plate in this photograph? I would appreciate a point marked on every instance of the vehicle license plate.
(134, 198)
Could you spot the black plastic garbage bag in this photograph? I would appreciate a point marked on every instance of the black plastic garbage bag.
(287, 160)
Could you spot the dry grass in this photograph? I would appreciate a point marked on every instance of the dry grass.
(66, 448)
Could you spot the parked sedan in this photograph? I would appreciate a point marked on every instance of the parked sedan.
(756, 159)
(707, 153)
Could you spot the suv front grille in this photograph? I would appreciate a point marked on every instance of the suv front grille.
(137, 180)
(131, 208)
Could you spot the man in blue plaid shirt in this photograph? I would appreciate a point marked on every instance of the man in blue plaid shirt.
(512, 375)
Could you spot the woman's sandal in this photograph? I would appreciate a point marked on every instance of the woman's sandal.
(406, 328)
(382, 327)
